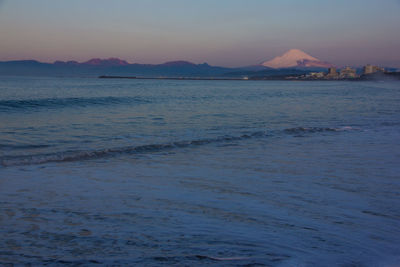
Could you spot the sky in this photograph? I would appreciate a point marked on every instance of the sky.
(228, 33)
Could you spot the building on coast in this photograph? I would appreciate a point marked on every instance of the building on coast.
(332, 73)
(369, 69)
(316, 75)
(347, 73)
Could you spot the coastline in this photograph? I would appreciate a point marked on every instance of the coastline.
(170, 78)
(389, 76)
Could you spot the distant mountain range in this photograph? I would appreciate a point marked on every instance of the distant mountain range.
(293, 62)
(111, 62)
(111, 66)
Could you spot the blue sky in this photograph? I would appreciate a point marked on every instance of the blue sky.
(220, 32)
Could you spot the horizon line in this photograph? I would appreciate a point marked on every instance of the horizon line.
(186, 61)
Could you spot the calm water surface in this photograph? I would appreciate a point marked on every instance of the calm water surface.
(235, 173)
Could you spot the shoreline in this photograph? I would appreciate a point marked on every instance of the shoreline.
(373, 77)
(170, 78)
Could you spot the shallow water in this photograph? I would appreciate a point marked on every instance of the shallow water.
(199, 172)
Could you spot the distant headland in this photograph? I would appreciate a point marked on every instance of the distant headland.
(292, 65)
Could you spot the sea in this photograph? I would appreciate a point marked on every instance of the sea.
(131, 172)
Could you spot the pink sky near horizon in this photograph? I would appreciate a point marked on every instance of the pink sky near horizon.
(224, 33)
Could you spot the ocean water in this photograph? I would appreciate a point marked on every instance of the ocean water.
(189, 173)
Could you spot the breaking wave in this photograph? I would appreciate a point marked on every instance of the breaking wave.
(85, 155)
(302, 130)
(53, 103)
(69, 156)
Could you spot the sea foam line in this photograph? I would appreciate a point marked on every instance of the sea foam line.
(69, 156)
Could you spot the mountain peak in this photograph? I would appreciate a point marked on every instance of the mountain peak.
(106, 62)
(295, 58)
(70, 63)
(297, 53)
(178, 63)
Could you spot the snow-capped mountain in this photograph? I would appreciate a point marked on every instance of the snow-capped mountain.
(295, 58)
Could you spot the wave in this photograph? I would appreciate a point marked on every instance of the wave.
(69, 156)
(86, 155)
(7, 105)
(7, 146)
(302, 130)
